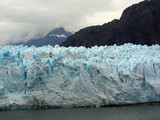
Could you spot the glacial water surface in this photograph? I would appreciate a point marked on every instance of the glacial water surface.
(108, 113)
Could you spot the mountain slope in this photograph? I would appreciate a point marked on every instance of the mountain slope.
(139, 24)
(56, 36)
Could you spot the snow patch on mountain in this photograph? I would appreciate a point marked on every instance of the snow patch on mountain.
(59, 36)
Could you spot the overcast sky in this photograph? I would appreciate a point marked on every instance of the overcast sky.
(21, 20)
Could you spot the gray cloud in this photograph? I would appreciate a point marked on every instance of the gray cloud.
(21, 20)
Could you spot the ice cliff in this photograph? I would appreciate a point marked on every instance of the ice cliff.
(50, 77)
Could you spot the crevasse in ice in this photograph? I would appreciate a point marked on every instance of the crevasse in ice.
(77, 76)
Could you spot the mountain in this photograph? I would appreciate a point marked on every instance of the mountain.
(139, 24)
(56, 36)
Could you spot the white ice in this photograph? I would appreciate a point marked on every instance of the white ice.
(79, 76)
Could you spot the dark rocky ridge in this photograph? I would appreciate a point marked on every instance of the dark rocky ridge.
(139, 24)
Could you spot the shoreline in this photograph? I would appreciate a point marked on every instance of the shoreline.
(46, 107)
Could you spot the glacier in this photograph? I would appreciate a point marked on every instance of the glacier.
(60, 77)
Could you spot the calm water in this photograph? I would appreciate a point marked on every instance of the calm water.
(111, 113)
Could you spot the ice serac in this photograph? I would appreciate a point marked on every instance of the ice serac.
(52, 77)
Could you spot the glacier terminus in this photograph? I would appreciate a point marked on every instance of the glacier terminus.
(60, 77)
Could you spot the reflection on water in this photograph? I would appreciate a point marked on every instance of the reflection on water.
(108, 113)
